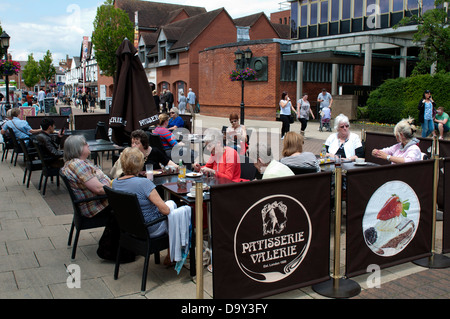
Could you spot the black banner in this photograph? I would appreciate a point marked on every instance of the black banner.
(446, 208)
(389, 215)
(270, 236)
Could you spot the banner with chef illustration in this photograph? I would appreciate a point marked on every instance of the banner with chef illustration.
(446, 208)
(270, 236)
(389, 215)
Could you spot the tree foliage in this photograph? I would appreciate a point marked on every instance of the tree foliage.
(398, 98)
(111, 26)
(30, 73)
(46, 68)
(433, 31)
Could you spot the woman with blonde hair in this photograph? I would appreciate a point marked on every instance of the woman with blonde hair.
(293, 155)
(152, 205)
(406, 150)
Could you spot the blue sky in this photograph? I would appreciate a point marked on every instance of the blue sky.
(36, 26)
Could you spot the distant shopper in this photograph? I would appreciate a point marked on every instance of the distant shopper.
(303, 112)
(191, 98)
(182, 103)
(426, 107)
(41, 97)
(285, 113)
(325, 99)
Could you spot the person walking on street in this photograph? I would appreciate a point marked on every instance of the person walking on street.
(84, 101)
(303, 112)
(325, 99)
(41, 97)
(92, 102)
(191, 98)
(285, 113)
(170, 100)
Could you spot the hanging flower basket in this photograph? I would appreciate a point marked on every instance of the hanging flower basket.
(243, 74)
(9, 67)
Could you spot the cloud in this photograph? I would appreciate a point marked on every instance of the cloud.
(61, 34)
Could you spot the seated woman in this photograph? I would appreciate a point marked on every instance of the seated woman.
(406, 150)
(151, 203)
(344, 143)
(152, 155)
(236, 135)
(167, 138)
(84, 178)
(293, 155)
(223, 162)
(175, 120)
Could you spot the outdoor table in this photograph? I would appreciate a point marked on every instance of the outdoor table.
(346, 165)
(96, 146)
(172, 189)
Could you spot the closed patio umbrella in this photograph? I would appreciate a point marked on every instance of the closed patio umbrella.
(133, 106)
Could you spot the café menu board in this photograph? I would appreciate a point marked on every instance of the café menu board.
(49, 105)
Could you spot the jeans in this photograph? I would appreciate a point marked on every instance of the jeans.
(427, 127)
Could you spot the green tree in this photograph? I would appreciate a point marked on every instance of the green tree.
(30, 73)
(433, 31)
(46, 68)
(111, 26)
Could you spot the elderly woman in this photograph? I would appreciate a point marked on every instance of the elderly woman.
(236, 134)
(223, 162)
(344, 143)
(152, 205)
(154, 156)
(406, 150)
(293, 155)
(84, 178)
(175, 120)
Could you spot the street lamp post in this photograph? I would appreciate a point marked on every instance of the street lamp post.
(242, 60)
(4, 41)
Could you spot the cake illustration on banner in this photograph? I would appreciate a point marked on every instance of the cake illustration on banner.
(394, 225)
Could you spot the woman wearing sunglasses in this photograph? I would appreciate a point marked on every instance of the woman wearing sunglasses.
(344, 143)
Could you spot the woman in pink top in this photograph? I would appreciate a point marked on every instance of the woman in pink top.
(406, 150)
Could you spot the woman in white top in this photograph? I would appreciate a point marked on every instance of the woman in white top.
(303, 112)
(285, 113)
(344, 143)
(236, 135)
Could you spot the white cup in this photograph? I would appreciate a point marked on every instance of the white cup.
(149, 171)
(360, 160)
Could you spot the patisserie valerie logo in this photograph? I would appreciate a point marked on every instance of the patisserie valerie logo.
(391, 218)
(272, 238)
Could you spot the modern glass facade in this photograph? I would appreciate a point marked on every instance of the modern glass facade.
(316, 18)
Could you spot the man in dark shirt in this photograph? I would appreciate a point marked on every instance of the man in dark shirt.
(50, 143)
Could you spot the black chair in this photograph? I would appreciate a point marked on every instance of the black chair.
(134, 234)
(302, 170)
(89, 135)
(17, 150)
(155, 141)
(248, 169)
(31, 163)
(47, 170)
(79, 221)
(101, 132)
(6, 145)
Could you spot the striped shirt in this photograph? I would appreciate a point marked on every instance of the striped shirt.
(167, 138)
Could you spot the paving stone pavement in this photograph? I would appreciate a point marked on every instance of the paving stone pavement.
(34, 253)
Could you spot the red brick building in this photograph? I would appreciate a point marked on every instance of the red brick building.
(219, 96)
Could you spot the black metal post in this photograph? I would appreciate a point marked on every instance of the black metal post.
(242, 103)
(7, 105)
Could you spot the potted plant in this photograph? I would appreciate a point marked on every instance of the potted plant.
(9, 68)
(246, 74)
